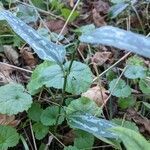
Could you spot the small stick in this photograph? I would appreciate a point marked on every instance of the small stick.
(15, 67)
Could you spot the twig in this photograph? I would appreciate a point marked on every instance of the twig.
(57, 139)
(33, 138)
(121, 59)
(114, 87)
(68, 19)
(15, 67)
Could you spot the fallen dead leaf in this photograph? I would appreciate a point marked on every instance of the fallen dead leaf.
(68, 138)
(101, 6)
(11, 54)
(101, 57)
(56, 26)
(5, 74)
(98, 19)
(97, 94)
(8, 120)
(28, 57)
(143, 122)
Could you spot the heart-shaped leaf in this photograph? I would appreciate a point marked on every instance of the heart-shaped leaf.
(14, 99)
(50, 114)
(51, 75)
(8, 137)
(134, 72)
(121, 89)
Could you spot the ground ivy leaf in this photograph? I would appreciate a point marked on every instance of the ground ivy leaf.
(14, 99)
(134, 72)
(50, 114)
(71, 148)
(144, 86)
(36, 83)
(85, 29)
(121, 89)
(83, 139)
(35, 112)
(44, 48)
(8, 137)
(83, 105)
(40, 130)
(126, 102)
(126, 124)
(78, 81)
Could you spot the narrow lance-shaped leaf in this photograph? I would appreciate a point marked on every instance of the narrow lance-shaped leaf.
(131, 139)
(45, 49)
(96, 126)
(119, 38)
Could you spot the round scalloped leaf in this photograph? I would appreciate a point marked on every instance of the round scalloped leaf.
(14, 99)
(35, 84)
(8, 137)
(83, 140)
(50, 114)
(134, 72)
(126, 124)
(40, 130)
(78, 80)
(144, 86)
(121, 89)
(35, 112)
(83, 105)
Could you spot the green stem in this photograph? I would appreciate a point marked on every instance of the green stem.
(66, 73)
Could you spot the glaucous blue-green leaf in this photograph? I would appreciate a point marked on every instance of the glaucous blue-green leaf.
(118, 9)
(121, 89)
(26, 14)
(40, 130)
(131, 139)
(118, 1)
(14, 99)
(78, 81)
(134, 72)
(44, 48)
(144, 86)
(83, 140)
(83, 105)
(35, 84)
(8, 137)
(96, 126)
(119, 38)
(50, 114)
